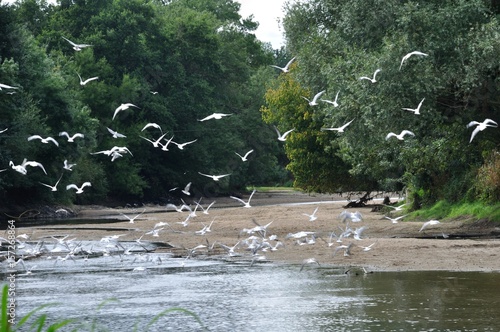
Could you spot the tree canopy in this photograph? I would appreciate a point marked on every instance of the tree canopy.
(335, 43)
(177, 61)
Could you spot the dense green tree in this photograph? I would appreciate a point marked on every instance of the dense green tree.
(337, 42)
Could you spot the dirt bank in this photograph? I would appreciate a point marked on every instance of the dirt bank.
(396, 246)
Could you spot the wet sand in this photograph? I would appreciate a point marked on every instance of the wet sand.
(459, 245)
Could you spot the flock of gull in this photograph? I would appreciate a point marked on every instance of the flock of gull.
(256, 240)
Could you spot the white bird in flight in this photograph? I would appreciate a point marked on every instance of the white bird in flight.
(152, 124)
(335, 102)
(312, 217)
(132, 219)
(285, 69)
(395, 220)
(245, 157)
(429, 223)
(155, 143)
(247, 203)
(309, 261)
(339, 129)
(123, 107)
(43, 140)
(22, 167)
(3, 131)
(215, 177)
(68, 166)
(83, 82)
(115, 133)
(71, 138)
(5, 86)
(283, 137)
(374, 79)
(78, 190)
(407, 56)
(400, 136)
(186, 189)
(314, 101)
(415, 110)
(216, 116)
(54, 187)
(77, 47)
(481, 126)
(182, 145)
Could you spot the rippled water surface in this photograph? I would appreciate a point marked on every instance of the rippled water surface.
(262, 297)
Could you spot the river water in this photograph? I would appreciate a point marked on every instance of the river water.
(118, 293)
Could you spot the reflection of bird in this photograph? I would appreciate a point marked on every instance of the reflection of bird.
(312, 216)
(373, 80)
(71, 138)
(407, 56)
(43, 140)
(123, 107)
(245, 157)
(214, 177)
(415, 110)
(216, 116)
(78, 190)
(314, 101)
(400, 136)
(334, 103)
(54, 187)
(247, 203)
(83, 82)
(77, 47)
(339, 129)
(481, 126)
(429, 223)
(309, 261)
(283, 137)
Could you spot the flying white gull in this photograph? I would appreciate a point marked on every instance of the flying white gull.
(155, 143)
(83, 82)
(123, 107)
(400, 136)
(312, 216)
(5, 86)
(4, 130)
(68, 166)
(429, 223)
(247, 203)
(309, 261)
(283, 137)
(54, 187)
(132, 219)
(152, 124)
(395, 220)
(216, 116)
(115, 133)
(22, 167)
(314, 101)
(335, 102)
(43, 140)
(407, 56)
(481, 126)
(71, 138)
(215, 177)
(373, 80)
(182, 145)
(186, 189)
(78, 190)
(285, 69)
(245, 157)
(339, 129)
(77, 47)
(415, 110)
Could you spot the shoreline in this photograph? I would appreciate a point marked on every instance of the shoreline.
(394, 247)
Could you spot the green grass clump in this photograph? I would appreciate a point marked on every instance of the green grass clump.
(470, 210)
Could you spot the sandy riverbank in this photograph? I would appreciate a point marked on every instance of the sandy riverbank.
(397, 247)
